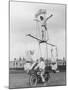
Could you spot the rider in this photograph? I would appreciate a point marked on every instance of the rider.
(41, 66)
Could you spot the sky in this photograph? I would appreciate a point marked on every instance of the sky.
(22, 23)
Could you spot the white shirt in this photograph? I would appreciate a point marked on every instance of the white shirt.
(27, 66)
(54, 67)
(41, 65)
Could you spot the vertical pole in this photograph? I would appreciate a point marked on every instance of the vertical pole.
(46, 37)
(47, 51)
(51, 53)
(42, 35)
(40, 50)
(46, 43)
(56, 53)
(46, 48)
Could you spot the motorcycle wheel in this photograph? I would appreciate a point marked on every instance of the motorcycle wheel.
(47, 76)
(33, 80)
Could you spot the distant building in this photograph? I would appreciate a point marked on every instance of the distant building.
(17, 63)
(11, 64)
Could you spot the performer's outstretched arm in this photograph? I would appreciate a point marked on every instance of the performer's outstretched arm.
(48, 18)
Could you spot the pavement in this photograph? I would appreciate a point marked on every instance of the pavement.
(21, 80)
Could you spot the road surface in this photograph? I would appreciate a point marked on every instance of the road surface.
(21, 80)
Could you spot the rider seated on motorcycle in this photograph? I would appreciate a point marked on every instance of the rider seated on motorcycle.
(41, 66)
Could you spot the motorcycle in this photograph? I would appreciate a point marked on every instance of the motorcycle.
(35, 77)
